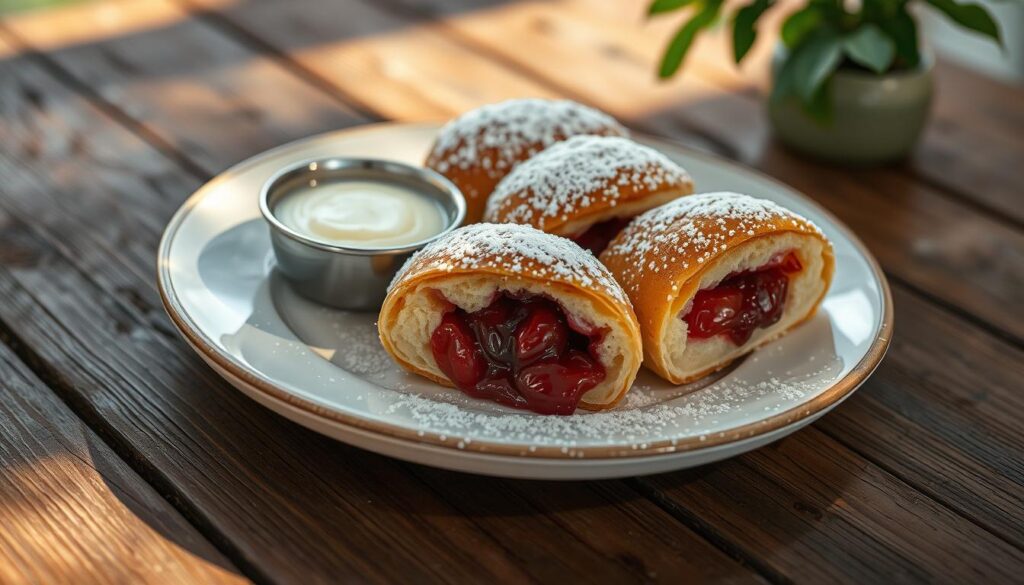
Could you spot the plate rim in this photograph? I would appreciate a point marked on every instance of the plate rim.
(198, 341)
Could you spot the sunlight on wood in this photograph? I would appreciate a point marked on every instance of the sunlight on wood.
(436, 68)
(559, 42)
(62, 26)
(98, 529)
(392, 64)
(711, 54)
(6, 50)
(408, 72)
(405, 68)
(562, 42)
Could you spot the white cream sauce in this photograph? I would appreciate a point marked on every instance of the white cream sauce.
(361, 214)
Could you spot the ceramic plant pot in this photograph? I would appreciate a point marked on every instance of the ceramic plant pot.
(876, 118)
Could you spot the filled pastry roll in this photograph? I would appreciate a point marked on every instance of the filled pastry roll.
(713, 276)
(511, 314)
(480, 147)
(587, 189)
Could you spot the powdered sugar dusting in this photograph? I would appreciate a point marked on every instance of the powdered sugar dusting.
(517, 249)
(645, 413)
(581, 172)
(362, 353)
(499, 136)
(694, 229)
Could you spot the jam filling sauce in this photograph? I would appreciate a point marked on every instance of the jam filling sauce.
(743, 301)
(521, 351)
(597, 237)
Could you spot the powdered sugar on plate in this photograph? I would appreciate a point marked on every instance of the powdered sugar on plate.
(581, 172)
(644, 413)
(499, 136)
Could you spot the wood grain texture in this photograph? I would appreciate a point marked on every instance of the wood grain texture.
(389, 64)
(73, 512)
(289, 505)
(953, 430)
(973, 143)
(141, 55)
(813, 512)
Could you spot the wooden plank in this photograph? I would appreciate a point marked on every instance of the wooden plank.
(72, 511)
(229, 102)
(817, 513)
(641, 541)
(391, 66)
(313, 510)
(973, 143)
(388, 65)
(980, 269)
(914, 410)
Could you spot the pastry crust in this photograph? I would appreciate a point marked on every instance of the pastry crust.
(667, 254)
(585, 180)
(469, 266)
(477, 149)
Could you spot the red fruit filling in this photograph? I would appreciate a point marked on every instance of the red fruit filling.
(519, 351)
(743, 301)
(597, 237)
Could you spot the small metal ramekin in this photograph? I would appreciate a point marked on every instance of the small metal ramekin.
(339, 276)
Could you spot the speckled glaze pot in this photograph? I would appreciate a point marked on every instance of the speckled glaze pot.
(876, 118)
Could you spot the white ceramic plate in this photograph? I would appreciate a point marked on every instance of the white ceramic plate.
(325, 369)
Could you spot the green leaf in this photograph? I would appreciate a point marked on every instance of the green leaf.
(809, 66)
(902, 29)
(660, 6)
(799, 24)
(680, 44)
(743, 31)
(819, 107)
(868, 46)
(972, 16)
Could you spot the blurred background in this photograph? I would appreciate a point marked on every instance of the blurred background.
(974, 51)
(949, 41)
(863, 103)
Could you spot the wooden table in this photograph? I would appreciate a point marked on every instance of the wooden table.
(124, 459)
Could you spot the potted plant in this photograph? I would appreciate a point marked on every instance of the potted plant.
(850, 80)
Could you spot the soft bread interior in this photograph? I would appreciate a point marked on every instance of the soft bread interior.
(628, 209)
(688, 359)
(409, 331)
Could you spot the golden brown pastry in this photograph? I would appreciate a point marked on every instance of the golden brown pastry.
(480, 147)
(587, 188)
(511, 314)
(713, 276)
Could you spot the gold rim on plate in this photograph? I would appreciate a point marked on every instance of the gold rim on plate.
(225, 363)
